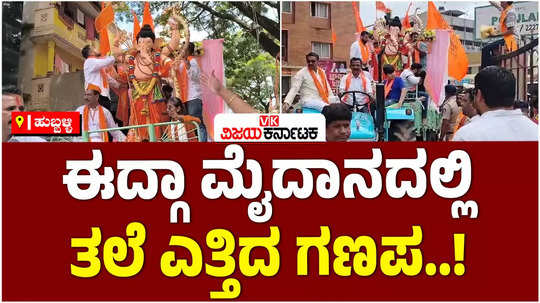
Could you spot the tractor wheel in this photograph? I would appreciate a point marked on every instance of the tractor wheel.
(401, 131)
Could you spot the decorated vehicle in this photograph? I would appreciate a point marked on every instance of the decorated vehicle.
(401, 45)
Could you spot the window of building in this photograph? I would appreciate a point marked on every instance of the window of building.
(469, 29)
(284, 44)
(287, 6)
(319, 10)
(458, 28)
(469, 70)
(66, 14)
(285, 85)
(322, 49)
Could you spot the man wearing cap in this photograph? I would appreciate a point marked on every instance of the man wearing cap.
(95, 116)
(450, 112)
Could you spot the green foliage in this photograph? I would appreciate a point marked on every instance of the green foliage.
(250, 72)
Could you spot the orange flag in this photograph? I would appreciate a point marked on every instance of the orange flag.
(105, 17)
(458, 63)
(334, 39)
(379, 5)
(136, 26)
(435, 19)
(359, 24)
(406, 23)
(147, 17)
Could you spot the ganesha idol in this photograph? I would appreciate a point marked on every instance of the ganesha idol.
(401, 47)
(147, 61)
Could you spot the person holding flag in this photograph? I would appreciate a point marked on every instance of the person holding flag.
(97, 62)
(95, 73)
(507, 23)
(311, 83)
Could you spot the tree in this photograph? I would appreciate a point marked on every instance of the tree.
(258, 19)
(251, 72)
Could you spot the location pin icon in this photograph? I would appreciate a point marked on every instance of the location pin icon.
(19, 120)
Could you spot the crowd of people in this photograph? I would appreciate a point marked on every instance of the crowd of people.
(486, 113)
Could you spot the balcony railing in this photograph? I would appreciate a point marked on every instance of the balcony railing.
(48, 22)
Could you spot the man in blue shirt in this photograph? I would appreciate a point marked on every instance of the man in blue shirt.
(394, 87)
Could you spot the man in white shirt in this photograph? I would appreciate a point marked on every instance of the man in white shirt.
(193, 98)
(356, 80)
(95, 116)
(311, 84)
(95, 73)
(409, 76)
(360, 49)
(495, 92)
(411, 80)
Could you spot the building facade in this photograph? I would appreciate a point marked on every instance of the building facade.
(307, 27)
(11, 42)
(50, 63)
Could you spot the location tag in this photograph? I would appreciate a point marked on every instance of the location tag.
(19, 120)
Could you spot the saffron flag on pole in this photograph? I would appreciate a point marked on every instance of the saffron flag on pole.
(105, 17)
(458, 63)
(406, 23)
(147, 17)
(136, 26)
(379, 5)
(437, 66)
(359, 24)
(334, 38)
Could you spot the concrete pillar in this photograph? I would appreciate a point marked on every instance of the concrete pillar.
(50, 56)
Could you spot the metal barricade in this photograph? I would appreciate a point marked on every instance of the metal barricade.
(150, 128)
(523, 63)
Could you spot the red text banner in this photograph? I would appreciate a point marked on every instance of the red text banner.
(272, 221)
(46, 123)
